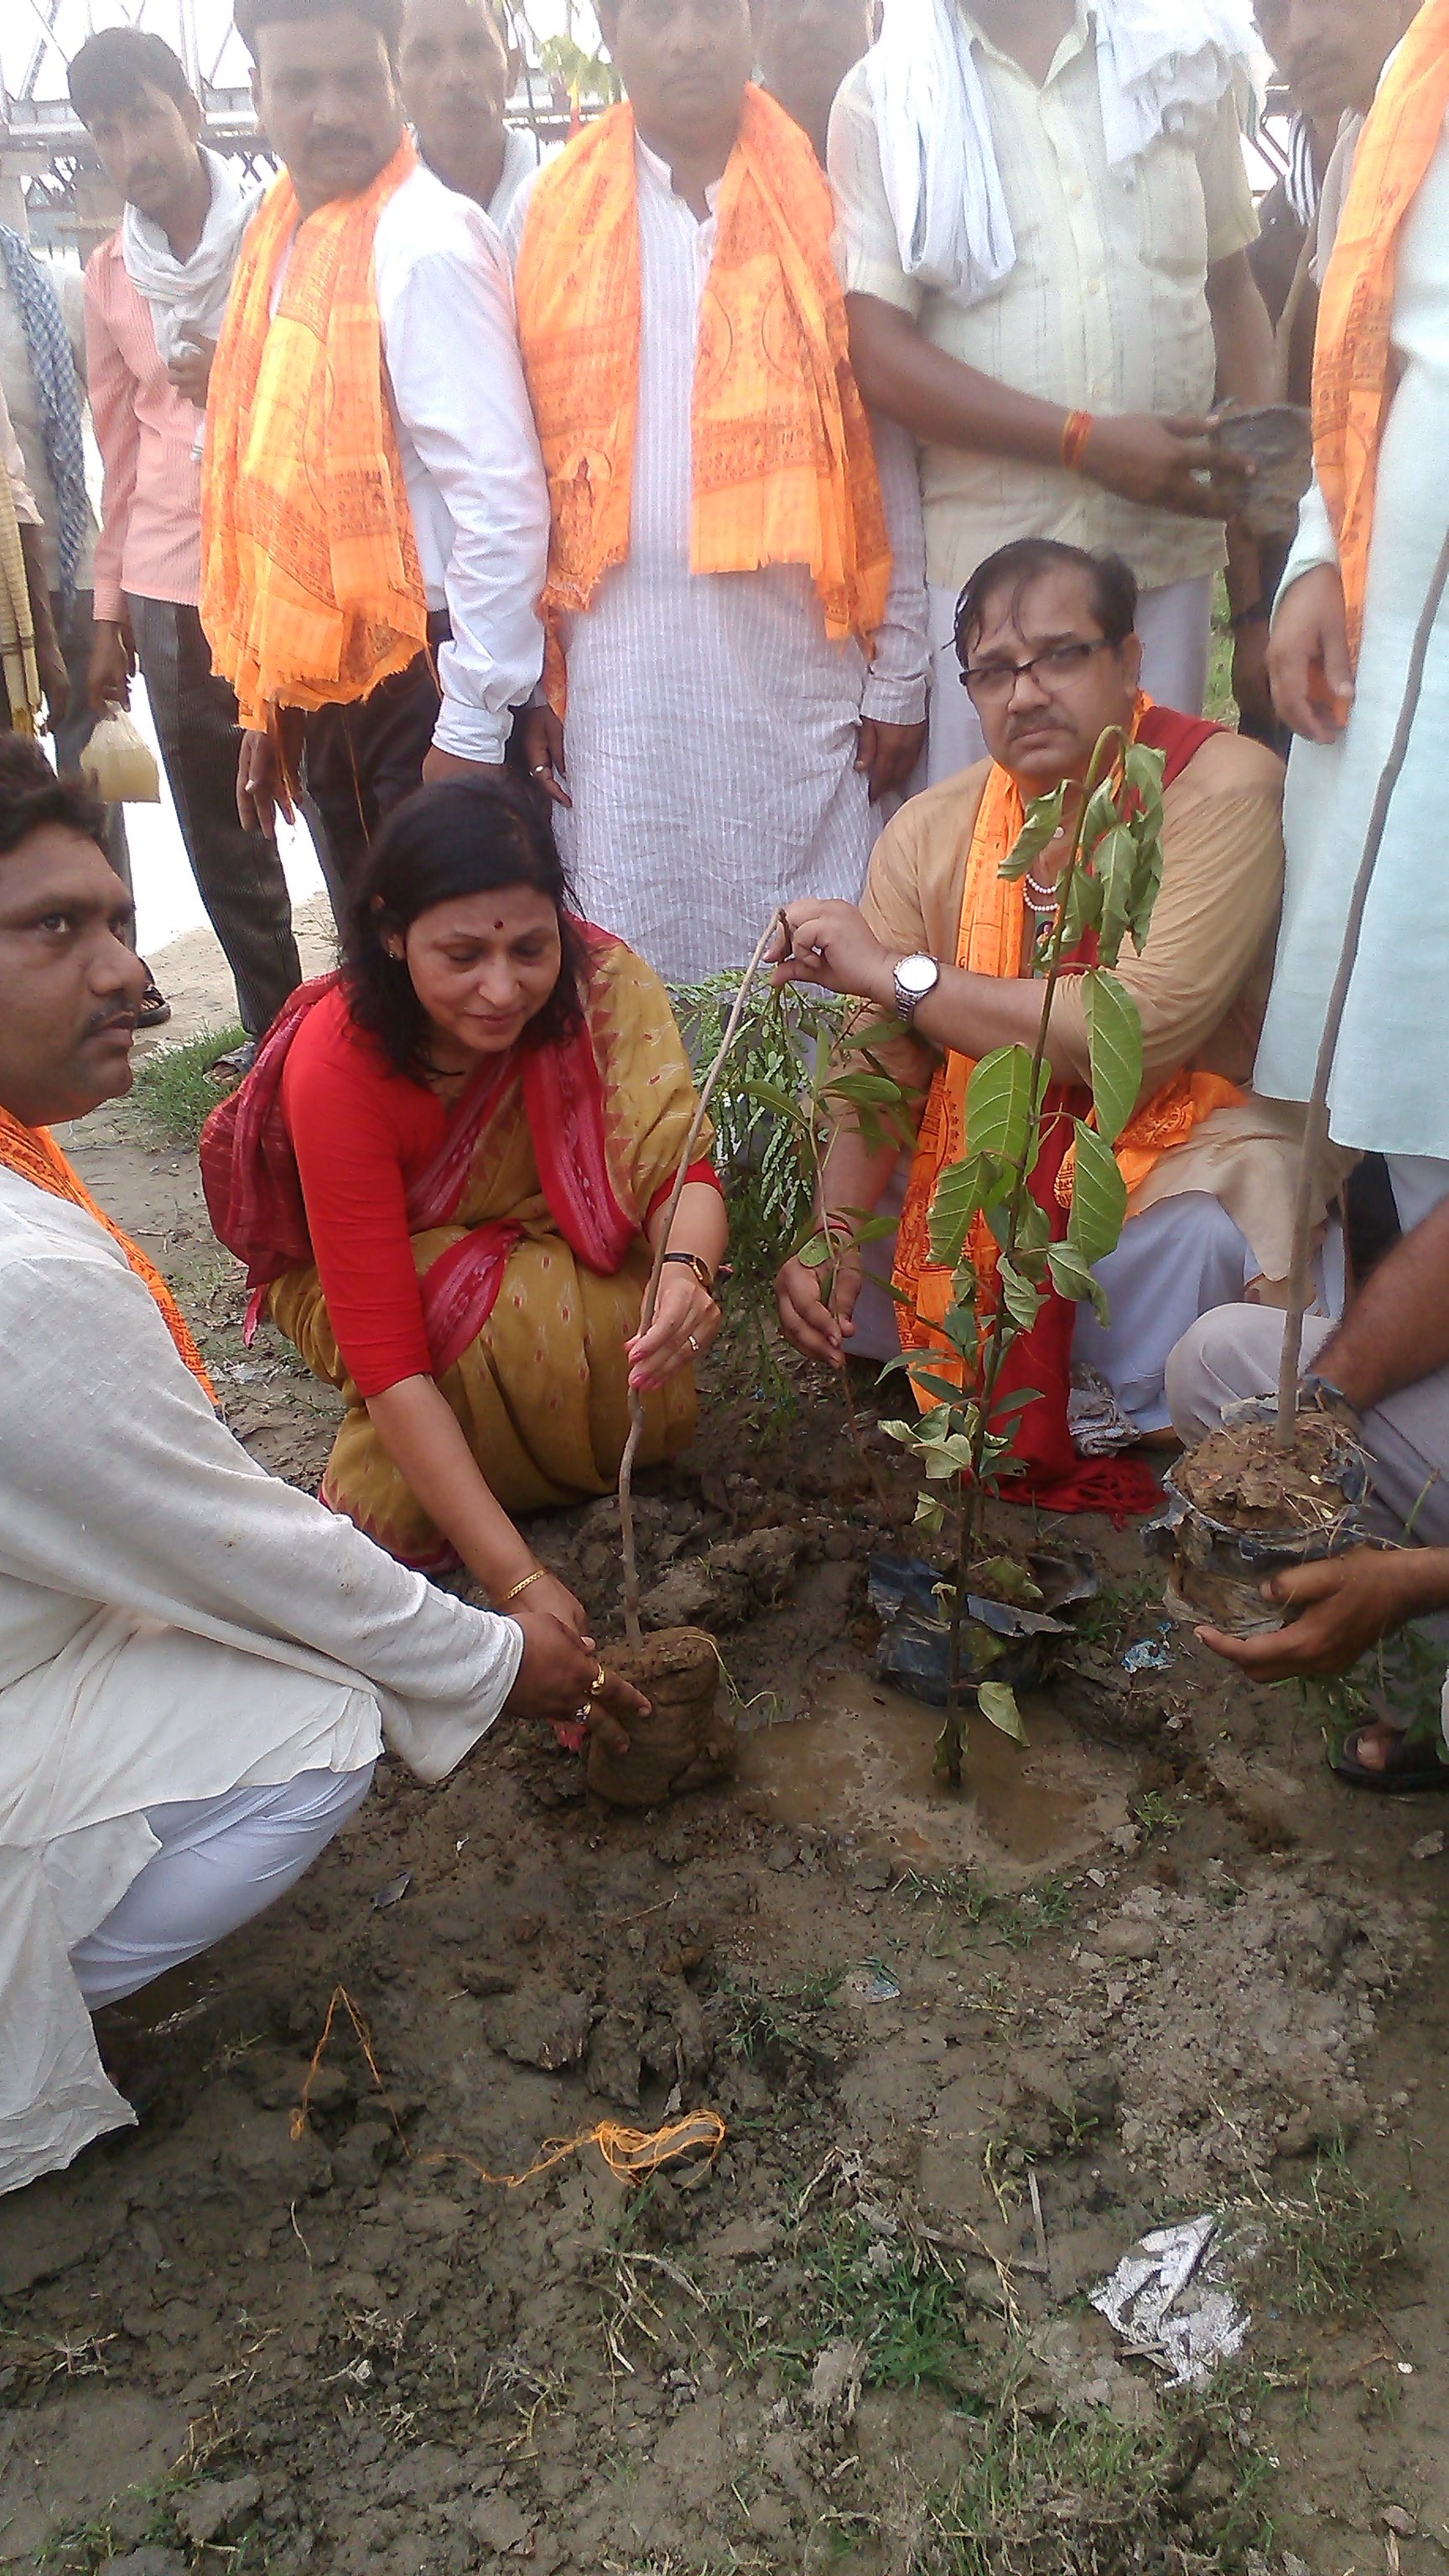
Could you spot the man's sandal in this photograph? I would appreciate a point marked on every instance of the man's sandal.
(1412, 1766)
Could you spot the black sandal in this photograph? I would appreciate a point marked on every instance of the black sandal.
(155, 1010)
(1412, 1766)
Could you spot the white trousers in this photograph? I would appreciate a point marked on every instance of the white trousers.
(1174, 623)
(221, 1861)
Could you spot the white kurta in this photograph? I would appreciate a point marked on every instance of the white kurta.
(174, 1624)
(1390, 1088)
(711, 733)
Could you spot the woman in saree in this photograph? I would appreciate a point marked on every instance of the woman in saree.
(449, 1170)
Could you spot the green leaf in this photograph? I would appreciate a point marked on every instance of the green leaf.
(768, 1095)
(1099, 1197)
(1000, 1106)
(1114, 1036)
(930, 1515)
(908, 1433)
(865, 1089)
(1146, 886)
(874, 1229)
(1083, 909)
(1142, 769)
(1115, 861)
(1072, 1278)
(926, 1382)
(816, 1252)
(998, 1704)
(1043, 822)
(1021, 1300)
(956, 1202)
(962, 1330)
(1006, 1580)
(1100, 815)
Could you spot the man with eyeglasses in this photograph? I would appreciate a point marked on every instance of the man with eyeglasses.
(1050, 659)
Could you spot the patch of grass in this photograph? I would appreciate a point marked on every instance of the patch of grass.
(901, 2301)
(1155, 1814)
(771, 2025)
(1084, 2495)
(174, 1090)
(1018, 1921)
(1118, 1607)
(1331, 2243)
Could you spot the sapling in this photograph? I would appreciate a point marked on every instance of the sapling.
(1107, 885)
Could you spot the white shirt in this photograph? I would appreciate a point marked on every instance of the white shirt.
(469, 450)
(174, 1624)
(712, 725)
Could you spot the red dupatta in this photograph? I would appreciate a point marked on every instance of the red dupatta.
(254, 1190)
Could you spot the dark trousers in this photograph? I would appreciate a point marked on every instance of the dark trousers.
(362, 759)
(238, 873)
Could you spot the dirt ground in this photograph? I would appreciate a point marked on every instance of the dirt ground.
(964, 2052)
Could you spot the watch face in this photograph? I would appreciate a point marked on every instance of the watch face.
(917, 974)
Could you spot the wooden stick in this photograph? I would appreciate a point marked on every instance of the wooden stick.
(1315, 1134)
(632, 1628)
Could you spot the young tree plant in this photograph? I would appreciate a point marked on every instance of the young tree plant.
(965, 1440)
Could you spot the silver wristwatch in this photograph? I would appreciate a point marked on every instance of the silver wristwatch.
(915, 977)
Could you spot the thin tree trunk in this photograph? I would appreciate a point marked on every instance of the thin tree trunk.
(651, 1294)
(1315, 1134)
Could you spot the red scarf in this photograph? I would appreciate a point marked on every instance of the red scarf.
(254, 1190)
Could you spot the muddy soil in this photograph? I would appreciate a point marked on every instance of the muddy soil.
(964, 2052)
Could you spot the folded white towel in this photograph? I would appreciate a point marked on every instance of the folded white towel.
(1162, 65)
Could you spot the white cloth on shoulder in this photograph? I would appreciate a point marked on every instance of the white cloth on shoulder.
(1162, 66)
(188, 296)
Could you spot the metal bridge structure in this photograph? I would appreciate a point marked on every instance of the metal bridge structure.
(50, 181)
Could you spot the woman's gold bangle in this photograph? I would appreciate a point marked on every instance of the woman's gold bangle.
(522, 1586)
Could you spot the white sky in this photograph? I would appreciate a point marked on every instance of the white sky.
(221, 57)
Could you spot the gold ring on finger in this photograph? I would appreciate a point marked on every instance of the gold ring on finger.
(598, 1683)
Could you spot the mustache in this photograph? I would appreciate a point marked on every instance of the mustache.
(101, 1021)
(336, 138)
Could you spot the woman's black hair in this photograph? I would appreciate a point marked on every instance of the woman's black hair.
(443, 842)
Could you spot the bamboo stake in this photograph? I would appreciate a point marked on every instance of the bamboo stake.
(1315, 1135)
(632, 1628)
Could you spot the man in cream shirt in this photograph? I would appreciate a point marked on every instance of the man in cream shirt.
(1054, 329)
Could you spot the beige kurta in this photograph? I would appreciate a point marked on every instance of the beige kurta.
(1200, 984)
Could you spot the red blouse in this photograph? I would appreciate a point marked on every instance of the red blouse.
(361, 1133)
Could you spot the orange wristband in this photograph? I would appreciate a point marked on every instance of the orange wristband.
(1076, 431)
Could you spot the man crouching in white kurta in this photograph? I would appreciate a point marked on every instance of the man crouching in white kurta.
(199, 1666)
(735, 604)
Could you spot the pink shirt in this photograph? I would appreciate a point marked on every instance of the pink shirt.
(150, 540)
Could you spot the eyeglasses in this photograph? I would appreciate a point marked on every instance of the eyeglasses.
(991, 683)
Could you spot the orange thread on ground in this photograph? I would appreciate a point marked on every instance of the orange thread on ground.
(628, 2153)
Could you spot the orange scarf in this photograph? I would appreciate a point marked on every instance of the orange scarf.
(1353, 374)
(784, 466)
(35, 1155)
(989, 942)
(311, 589)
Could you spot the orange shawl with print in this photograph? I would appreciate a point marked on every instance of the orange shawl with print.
(35, 1155)
(1353, 375)
(311, 588)
(784, 465)
(989, 942)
